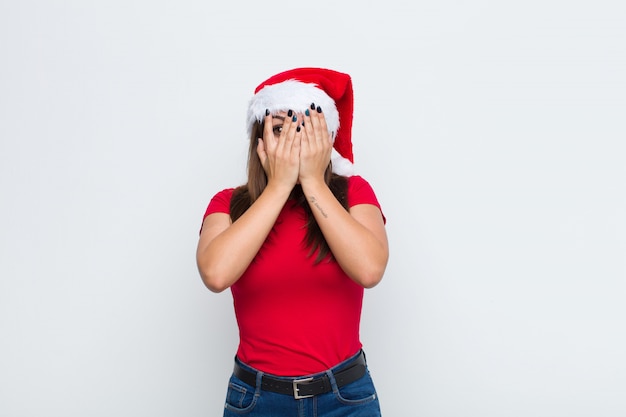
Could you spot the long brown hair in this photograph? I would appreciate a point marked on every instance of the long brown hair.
(246, 194)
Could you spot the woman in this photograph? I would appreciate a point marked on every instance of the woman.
(297, 245)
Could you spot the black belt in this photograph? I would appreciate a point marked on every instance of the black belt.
(304, 387)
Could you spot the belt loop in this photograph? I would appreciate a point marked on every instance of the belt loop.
(332, 381)
(259, 379)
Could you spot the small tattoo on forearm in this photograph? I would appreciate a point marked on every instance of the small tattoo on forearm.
(314, 202)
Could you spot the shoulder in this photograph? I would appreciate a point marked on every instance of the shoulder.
(220, 202)
(357, 181)
(360, 191)
(225, 194)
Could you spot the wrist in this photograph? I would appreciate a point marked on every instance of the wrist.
(278, 189)
(312, 184)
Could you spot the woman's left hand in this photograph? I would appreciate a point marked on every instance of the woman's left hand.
(315, 147)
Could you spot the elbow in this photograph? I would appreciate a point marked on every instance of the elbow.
(370, 280)
(370, 277)
(213, 280)
(368, 274)
(214, 287)
(375, 271)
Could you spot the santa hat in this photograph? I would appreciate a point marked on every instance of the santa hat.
(295, 90)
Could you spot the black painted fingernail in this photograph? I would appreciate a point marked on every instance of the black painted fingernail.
(302, 123)
(307, 112)
(319, 109)
(267, 112)
(298, 129)
(312, 106)
(289, 113)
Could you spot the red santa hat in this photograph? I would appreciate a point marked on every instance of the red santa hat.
(296, 89)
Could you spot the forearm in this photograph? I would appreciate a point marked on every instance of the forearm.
(223, 259)
(360, 249)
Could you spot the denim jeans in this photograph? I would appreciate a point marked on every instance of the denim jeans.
(357, 398)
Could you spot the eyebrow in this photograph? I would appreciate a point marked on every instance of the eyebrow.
(279, 117)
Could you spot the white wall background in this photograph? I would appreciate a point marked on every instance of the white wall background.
(493, 133)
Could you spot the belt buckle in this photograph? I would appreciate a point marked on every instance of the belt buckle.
(296, 390)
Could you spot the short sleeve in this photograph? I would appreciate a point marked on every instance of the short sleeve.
(361, 192)
(220, 203)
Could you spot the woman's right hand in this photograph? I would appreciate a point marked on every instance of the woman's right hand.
(279, 149)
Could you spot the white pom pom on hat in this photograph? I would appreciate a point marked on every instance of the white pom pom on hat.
(296, 89)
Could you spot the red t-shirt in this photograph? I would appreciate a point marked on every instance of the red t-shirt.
(296, 317)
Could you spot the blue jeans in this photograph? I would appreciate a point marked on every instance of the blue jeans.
(357, 398)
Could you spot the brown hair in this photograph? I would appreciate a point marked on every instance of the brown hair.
(246, 194)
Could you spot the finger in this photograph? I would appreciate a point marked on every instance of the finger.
(289, 130)
(307, 121)
(268, 129)
(298, 136)
(323, 139)
(297, 139)
(260, 151)
(316, 117)
(308, 134)
(322, 128)
(318, 132)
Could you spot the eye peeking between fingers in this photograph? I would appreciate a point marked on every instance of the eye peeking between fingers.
(277, 129)
(277, 124)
